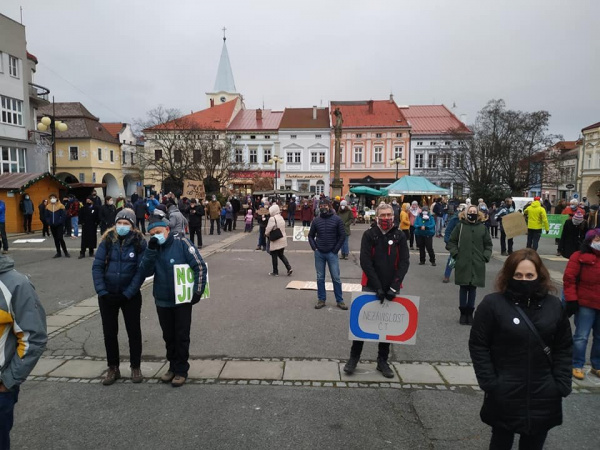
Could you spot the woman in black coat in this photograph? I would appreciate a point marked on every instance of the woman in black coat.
(89, 216)
(108, 212)
(523, 385)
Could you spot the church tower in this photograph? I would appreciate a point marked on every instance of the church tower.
(224, 89)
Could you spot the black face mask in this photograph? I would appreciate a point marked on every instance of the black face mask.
(324, 211)
(524, 289)
(472, 217)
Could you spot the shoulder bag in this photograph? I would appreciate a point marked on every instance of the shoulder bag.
(534, 330)
(275, 233)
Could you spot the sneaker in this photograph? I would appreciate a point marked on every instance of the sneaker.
(4, 252)
(273, 274)
(320, 304)
(446, 280)
(433, 263)
(258, 248)
(58, 255)
(384, 368)
(422, 263)
(350, 366)
(167, 377)
(595, 372)
(136, 375)
(67, 255)
(342, 306)
(289, 272)
(578, 373)
(504, 254)
(178, 381)
(112, 375)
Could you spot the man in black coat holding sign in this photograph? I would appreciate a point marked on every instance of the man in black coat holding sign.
(384, 259)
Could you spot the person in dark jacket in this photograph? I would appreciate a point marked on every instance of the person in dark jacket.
(237, 207)
(26, 207)
(306, 213)
(117, 281)
(141, 210)
(573, 235)
(326, 237)
(454, 220)
(89, 218)
(96, 200)
(384, 259)
(262, 217)
(424, 231)
(438, 214)
(165, 250)
(508, 208)
(107, 215)
(195, 221)
(42, 211)
(291, 211)
(55, 217)
(523, 385)
(345, 214)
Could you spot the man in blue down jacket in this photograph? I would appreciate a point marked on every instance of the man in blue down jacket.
(165, 249)
(326, 237)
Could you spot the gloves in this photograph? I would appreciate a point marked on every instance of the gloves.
(391, 294)
(153, 243)
(196, 298)
(571, 308)
(380, 295)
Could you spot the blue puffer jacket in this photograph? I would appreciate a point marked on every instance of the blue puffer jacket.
(55, 214)
(118, 272)
(2, 212)
(327, 233)
(429, 226)
(450, 226)
(159, 262)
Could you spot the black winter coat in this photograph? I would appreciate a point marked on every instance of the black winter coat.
(140, 209)
(108, 213)
(571, 238)
(195, 217)
(523, 392)
(89, 217)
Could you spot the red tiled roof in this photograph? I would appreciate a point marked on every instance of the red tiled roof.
(358, 114)
(433, 119)
(596, 125)
(567, 145)
(300, 118)
(113, 128)
(246, 120)
(214, 118)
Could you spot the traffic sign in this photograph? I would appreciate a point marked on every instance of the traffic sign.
(575, 195)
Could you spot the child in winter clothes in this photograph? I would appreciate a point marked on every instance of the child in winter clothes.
(249, 220)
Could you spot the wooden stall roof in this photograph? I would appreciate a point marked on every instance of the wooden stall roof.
(18, 182)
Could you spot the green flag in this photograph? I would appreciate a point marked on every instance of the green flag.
(557, 222)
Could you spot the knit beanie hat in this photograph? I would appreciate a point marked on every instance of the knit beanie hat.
(343, 203)
(126, 214)
(324, 201)
(590, 235)
(577, 218)
(158, 219)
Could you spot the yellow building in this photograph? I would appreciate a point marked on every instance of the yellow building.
(589, 164)
(87, 155)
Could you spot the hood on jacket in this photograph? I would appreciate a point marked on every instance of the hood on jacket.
(463, 216)
(273, 210)
(112, 235)
(535, 204)
(6, 264)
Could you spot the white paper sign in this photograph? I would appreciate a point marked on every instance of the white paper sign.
(183, 276)
(301, 233)
(394, 321)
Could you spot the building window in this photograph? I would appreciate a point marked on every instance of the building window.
(320, 188)
(358, 154)
(447, 143)
(297, 157)
(112, 156)
(446, 161)
(131, 154)
(432, 161)
(13, 160)
(378, 135)
(197, 155)
(237, 136)
(13, 66)
(378, 155)
(399, 152)
(289, 158)
(321, 157)
(317, 136)
(1, 63)
(267, 136)
(12, 110)
(124, 158)
(317, 158)
(239, 155)
(418, 161)
(99, 154)
(253, 156)
(419, 143)
(73, 153)
(399, 135)
(293, 136)
(81, 177)
(266, 155)
(157, 155)
(252, 137)
(432, 143)
(303, 185)
(359, 135)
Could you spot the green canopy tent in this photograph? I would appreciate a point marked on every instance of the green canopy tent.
(412, 185)
(365, 190)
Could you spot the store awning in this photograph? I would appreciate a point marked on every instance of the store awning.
(412, 185)
(365, 190)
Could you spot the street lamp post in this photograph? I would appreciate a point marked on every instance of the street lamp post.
(276, 160)
(397, 161)
(51, 122)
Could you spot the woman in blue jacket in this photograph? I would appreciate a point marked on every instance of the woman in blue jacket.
(117, 280)
(55, 217)
(424, 231)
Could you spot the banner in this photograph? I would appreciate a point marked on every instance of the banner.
(394, 321)
(557, 223)
(193, 189)
(183, 276)
(301, 233)
(514, 225)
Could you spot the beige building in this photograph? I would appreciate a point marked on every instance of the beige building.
(87, 155)
(589, 164)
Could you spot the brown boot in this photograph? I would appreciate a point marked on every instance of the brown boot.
(136, 375)
(167, 377)
(178, 381)
(111, 376)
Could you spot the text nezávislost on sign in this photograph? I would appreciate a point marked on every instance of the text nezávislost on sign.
(394, 321)
(301, 233)
(557, 223)
(183, 276)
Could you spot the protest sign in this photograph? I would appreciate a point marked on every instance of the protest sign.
(301, 233)
(514, 225)
(183, 276)
(394, 321)
(557, 223)
(193, 189)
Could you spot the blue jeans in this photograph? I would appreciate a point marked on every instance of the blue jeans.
(438, 225)
(533, 238)
(345, 247)
(467, 296)
(334, 270)
(7, 407)
(75, 225)
(448, 270)
(291, 220)
(586, 320)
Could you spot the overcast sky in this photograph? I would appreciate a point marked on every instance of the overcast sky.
(121, 58)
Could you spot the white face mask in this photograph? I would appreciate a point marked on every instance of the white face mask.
(52, 200)
(595, 245)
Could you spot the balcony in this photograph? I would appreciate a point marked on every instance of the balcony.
(38, 95)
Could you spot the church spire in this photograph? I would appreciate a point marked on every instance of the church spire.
(224, 81)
